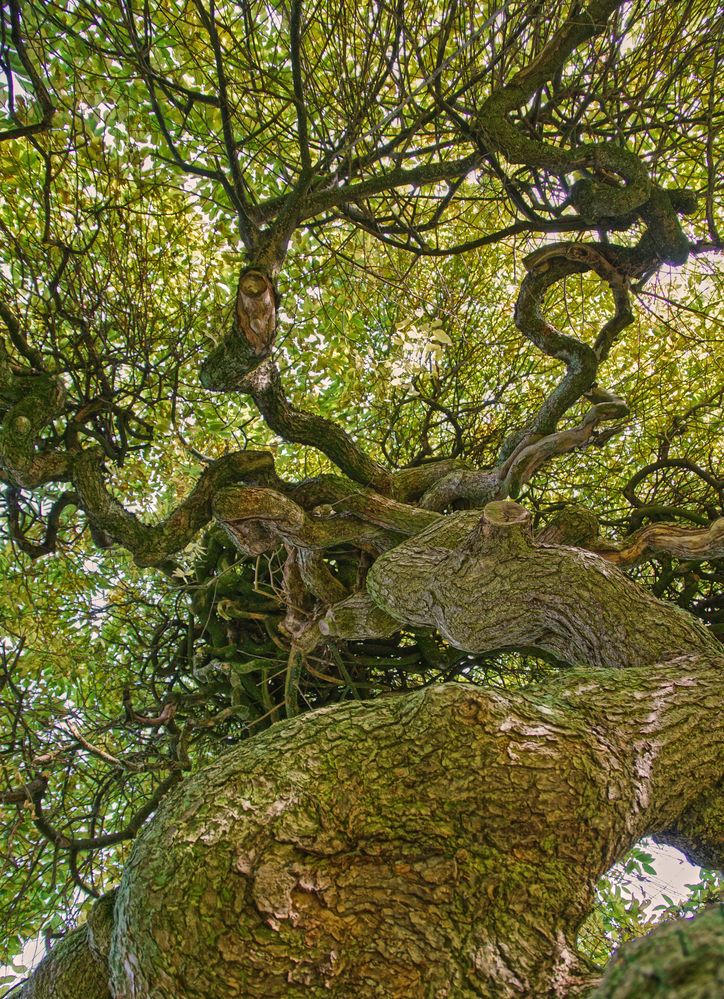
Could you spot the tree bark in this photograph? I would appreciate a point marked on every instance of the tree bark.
(445, 843)
(77, 966)
(487, 586)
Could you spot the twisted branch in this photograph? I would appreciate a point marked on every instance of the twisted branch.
(669, 539)
(242, 363)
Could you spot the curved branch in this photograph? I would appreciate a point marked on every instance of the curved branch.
(257, 519)
(629, 490)
(154, 544)
(507, 479)
(48, 544)
(129, 831)
(547, 267)
(301, 427)
(669, 539)
(526, 460)
(486, 585)
(232, 366)
(576, 525)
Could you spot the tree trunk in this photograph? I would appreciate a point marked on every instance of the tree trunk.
(77, 966)
(445, 843)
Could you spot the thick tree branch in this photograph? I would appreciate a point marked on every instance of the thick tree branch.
(699, 830)
(35, 401)
(569, 604)
(258, 519)
(264, 385)
(356, 781)
(679, 958)
(154, 544)
(669, 539)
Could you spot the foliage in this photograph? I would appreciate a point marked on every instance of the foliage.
(622, 913)
(148, 154)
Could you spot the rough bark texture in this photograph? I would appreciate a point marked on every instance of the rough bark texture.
(77, 966)
(486, 585)
(699, 831)
(445, 843)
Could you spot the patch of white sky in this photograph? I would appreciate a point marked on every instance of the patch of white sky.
(674, 875)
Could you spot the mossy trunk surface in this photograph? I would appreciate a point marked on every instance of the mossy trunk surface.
(444, 843)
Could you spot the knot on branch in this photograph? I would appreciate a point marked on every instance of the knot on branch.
(505, 526)
(258, 519)
(251, 338)
(256, 310)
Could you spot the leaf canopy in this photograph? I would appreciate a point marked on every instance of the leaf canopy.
(391, 168)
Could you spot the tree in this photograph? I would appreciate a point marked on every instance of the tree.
(457, 264)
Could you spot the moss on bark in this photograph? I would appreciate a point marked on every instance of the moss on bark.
(679, 960)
